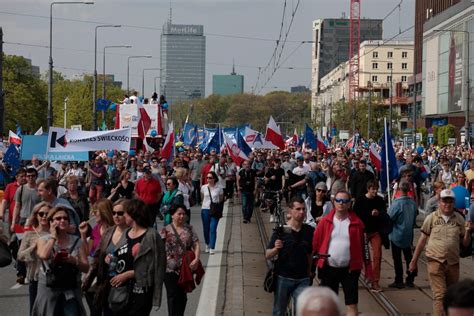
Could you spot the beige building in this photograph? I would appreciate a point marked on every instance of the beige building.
(382, 65)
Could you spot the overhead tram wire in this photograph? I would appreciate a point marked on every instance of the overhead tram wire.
(141, 27)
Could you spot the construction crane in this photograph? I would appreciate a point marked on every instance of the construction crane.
(354, 55)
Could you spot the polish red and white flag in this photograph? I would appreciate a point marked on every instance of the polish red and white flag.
(14, 138)
(375, 157)
(273, 134)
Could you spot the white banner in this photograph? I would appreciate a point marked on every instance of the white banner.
(128, 114)
(60, 139)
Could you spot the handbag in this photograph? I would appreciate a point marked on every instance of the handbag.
(5, 255)
(118, 298)
(270, 279)
(465, 251)
(216, 208)
(184, 262)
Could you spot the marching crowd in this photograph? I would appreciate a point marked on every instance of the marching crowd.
(115, 229)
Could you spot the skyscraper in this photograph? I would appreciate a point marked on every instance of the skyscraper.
(183, 62)
(331, 45)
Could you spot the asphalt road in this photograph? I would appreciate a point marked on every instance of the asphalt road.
(14, 299)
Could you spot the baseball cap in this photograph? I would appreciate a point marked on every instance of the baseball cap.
(447, 193)
(321, 186)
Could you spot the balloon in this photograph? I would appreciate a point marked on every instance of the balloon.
(419, 150)
(113, 107)
(110, 154)
(131, 152)
(164, 106)
(153, 133)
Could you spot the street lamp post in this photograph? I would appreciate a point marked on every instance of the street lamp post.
(468, 82)
(103, 66)
(154, 83)
(50, 75)
(143, 79)
(128, 69)
(94, 89)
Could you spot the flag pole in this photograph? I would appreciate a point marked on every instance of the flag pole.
(386, 159)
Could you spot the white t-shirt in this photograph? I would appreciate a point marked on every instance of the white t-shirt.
(339, 246)
(300, 171)
(216, 193)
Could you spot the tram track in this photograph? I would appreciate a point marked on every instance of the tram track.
(379, 297)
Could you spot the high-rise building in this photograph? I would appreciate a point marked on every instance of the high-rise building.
(331, 45)
(183, 62)
(228, 84)
(448, 64)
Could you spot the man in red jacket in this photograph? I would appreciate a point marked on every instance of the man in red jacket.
(148, 189)
(340, 234)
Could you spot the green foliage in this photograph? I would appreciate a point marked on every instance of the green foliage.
(424, 135)
(25, 95)
(290, 110)
(435, 134)
(444, 133)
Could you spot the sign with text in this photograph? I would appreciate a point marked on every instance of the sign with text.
(35, 146)
(129, 117)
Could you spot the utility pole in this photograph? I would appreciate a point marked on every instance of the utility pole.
(414, 98)
(391, 99)
(2, 100)
(369, 85)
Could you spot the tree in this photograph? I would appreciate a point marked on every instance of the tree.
(25, 95)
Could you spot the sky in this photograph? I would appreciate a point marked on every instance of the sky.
(243, 31)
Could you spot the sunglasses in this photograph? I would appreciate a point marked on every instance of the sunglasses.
(342, 201)
(119, 213)
(172, 183)
(319, 190)
(210, 178)
(43, 214)
(450, 201)
(61, 218)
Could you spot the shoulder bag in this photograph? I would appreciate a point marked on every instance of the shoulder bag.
(118, 297)
(188, 256)
(216, 208)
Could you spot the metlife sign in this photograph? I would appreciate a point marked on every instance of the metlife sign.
(183, 29)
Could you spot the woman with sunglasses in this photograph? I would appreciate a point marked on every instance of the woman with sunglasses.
(209, 223)
(112, 239)
(141, 261)
(38, 221)
(321, 206)
(63, 259)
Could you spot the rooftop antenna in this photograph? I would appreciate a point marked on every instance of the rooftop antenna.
(171, 12)
(233, 67)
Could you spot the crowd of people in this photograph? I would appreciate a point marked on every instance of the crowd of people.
(118, 227)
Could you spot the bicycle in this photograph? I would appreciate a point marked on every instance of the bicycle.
(272, 202)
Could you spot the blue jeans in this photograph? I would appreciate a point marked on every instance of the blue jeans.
(209, 226)
(285, 288)
(247, 204)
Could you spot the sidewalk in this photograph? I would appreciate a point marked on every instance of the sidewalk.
(246, 268)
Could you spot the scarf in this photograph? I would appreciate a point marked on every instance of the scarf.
(169, 196)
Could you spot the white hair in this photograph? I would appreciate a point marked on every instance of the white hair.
(318, 300)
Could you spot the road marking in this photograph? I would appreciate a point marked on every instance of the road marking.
(16, 286)
(210, 287)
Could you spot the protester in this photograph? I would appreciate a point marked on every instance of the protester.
(402, 212)
(210, 191)
(294, 251)
(433, 203)
(8, 202)
(186, 188)
(318, 301)
(458, 299)
(321, 205)
(195, 169)
(442, 233)
(97, 176)
(38, 221)
(247, 187)
(60, 249)
(141, 261)
(178, 238)
(340, 234)
(171, 197)
(148, 190)
(123, 189)
(76, 198)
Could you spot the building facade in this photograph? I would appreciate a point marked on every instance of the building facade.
(183, 62)
(381, 68)
(448, 65)
(331, 46)
(227, 84)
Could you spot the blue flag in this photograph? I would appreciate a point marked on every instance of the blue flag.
(309, 137)
(387, 153)
(102, 104)
(215, 143)
(242, 144)
(12, 158)
(194, 138)
(18, 130)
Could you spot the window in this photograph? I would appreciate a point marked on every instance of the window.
(404, 54)
(375, 54)
(389, 65)
(404, 66)
(404, 78)
(389, 78)
(375, 66)
(389, 54)
(374, 78)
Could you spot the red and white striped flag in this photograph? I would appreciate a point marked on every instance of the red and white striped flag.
(375, 157)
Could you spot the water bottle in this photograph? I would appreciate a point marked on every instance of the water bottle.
(112, 266)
